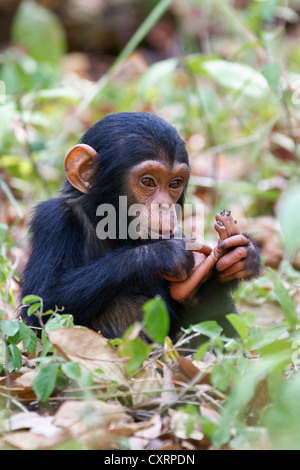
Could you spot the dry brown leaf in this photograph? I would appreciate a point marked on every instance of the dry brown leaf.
(260, 399)
(91, 350)
(188, 370)
(169, 396)
(25, 440)
(179, 423)
(153, 428)
(95, 424)
(42, 425)
(15, 386)
(210, 412)
(146, 380)
(171, 447)
(105, 414)
(149, 432)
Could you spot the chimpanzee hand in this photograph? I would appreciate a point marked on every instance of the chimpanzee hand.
(179, 261)
(242, 259)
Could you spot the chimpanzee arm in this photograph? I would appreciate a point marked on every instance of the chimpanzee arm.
(58, 272)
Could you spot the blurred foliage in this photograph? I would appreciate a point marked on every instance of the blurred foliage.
(233, 92)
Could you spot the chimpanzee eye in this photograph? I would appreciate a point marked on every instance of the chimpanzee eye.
(149, 182)
(176, 184)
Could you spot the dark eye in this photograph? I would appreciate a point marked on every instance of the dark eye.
(176, 184)
(149, 182)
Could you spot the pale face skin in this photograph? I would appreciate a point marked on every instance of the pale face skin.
(158, 187)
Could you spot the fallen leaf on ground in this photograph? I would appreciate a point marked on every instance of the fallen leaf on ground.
(91, 350)
(38, 424)
(95, 424)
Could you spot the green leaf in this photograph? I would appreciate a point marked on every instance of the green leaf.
(59, 321)
(138, 351)
(157, 72)
(272, 72)
(11, 327)
(239, 77)
(28, 337)
(245, 379)
(72, 370)
(208, 426)
(33, 309)
(40, 32)
(239, 325)
(201, 351)
(222, 375)
(269, 336)
(30, 299)
(44, 382)
(282, 416)
(285, 300)
(14, 358)
(288, 210)
(208, 328)
(156, 319)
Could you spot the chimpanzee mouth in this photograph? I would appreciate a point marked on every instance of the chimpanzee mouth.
(161, 234)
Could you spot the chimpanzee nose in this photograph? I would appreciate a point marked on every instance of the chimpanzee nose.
(165, 206)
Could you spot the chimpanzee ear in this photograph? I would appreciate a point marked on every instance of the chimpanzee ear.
(79, 166)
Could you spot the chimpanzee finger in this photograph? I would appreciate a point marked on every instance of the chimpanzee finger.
(239, 275)
(233, 269)
(235, 241)
(231, 258)
(205, 249)
(220, 228)
(225, 218)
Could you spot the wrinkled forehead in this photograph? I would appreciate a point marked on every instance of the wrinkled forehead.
(163, 169)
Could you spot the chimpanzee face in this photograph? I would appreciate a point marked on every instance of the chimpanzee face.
(158, 186)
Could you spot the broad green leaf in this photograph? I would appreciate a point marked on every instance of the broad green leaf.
(58, 321)
(62, 94)
(44, 382)
(221, 376)
(238, 76)
(282, 416)
(272, 72)
(269, 336)
(285, 300)
(288, 214)
(40, 32)
(33, 309)
(245, 384)
(201, 351)
(238, 324)
(14, 358)
(11, 327)
(138, 351)
(156, 72)
(28, 337)
(208, 328)
(72, 370)
(156, 319)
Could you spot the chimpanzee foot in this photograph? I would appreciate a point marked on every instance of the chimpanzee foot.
(225, 225)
